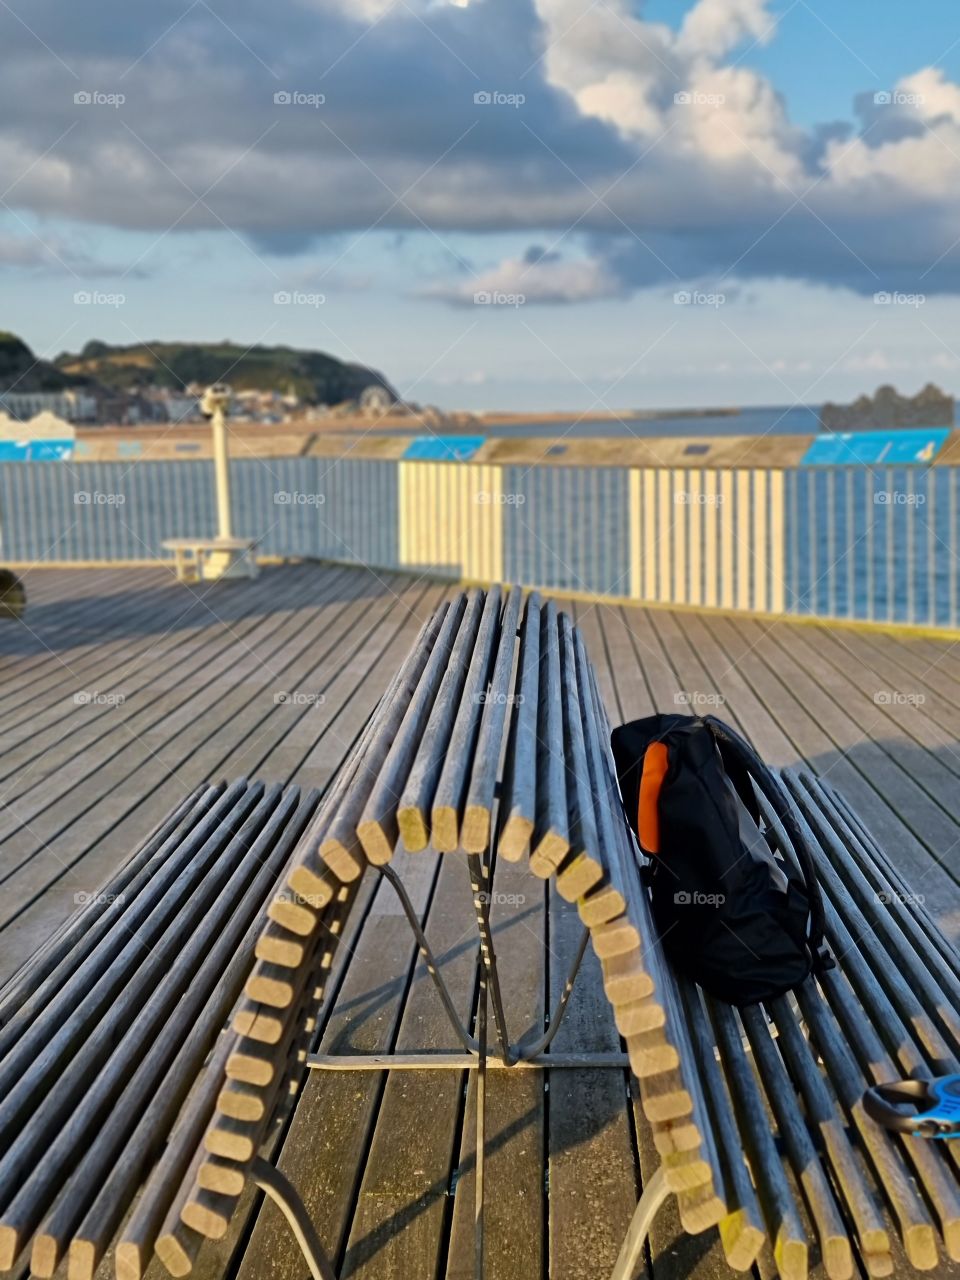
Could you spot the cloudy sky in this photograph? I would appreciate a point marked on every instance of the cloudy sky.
(500, 203)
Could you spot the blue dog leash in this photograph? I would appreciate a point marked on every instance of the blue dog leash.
(936, 1106)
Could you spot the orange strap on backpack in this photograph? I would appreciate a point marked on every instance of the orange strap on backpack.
(655, 762)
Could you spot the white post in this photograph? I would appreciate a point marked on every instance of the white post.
(221, 462)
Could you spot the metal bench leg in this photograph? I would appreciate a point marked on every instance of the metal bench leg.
(653, 1195)
(279, 1188)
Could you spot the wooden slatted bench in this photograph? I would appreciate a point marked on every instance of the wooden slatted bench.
(126, 1116)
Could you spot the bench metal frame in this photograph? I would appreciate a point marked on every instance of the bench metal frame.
(477, 1057)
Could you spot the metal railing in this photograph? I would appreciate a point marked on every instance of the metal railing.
(862, 543)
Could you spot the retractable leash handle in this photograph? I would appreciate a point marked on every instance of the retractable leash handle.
(936, 1103)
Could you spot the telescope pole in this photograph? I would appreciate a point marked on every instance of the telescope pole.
(221, 463)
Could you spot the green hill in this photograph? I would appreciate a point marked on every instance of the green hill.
(313, 376)
(21, 370)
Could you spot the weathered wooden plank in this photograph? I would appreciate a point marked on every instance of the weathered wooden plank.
(336, 1110)
(741, 1228)
(116, 806)
(582, 869)
(192, 960)
(117, 630)
(911, 1213)
(831, 1230)
(449, 801)
(518, 806)
(398, 1227)
(139, 672)
(117, 1156)
(78, 935)
(823, 1116)
(120, 738)
(416, 801)
(551, 835)
(515, 1215)
(118, 953)
(377, 828)
(591, 1161)
(321, 681)
(784, 1227)
(810, 723)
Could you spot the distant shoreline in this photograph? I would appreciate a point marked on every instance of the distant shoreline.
(610, 415)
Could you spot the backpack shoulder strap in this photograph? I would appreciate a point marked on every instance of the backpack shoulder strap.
(769, 784)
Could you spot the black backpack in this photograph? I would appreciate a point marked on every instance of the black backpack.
(732, 914)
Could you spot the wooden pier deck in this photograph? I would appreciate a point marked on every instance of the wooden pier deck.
(123, 689)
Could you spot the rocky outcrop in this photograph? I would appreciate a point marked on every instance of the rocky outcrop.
(888, 409)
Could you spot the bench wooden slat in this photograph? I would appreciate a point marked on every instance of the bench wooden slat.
(603, 901)
(524, 698)
(582, 868)
(73, 1043)
(518, 803)
(234, 1140)
(879, 1067)
(882, 972)
(414, 807)
(199, 969)
(177, 1245)
(831, 1230)
(448, 800)
(874, 856)
(876, 1063)
(377, 828)
(741, 1228)
(784, 1229)
(336, 843)
(80, 933)
(113, 956)
(484, 765)
(898, 921)
(135, 1247)
(551, 834)
(824, 1118)
(915, 1224)
(708, 1206)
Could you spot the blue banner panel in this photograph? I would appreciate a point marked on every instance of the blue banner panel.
(35, 450)
(897, 447)
(443, 448)
(49, 450)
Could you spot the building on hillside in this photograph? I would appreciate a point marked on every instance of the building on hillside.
(183, 408)
(69, 405)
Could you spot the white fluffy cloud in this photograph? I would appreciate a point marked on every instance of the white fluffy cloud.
(648, 154)
(536, 278)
